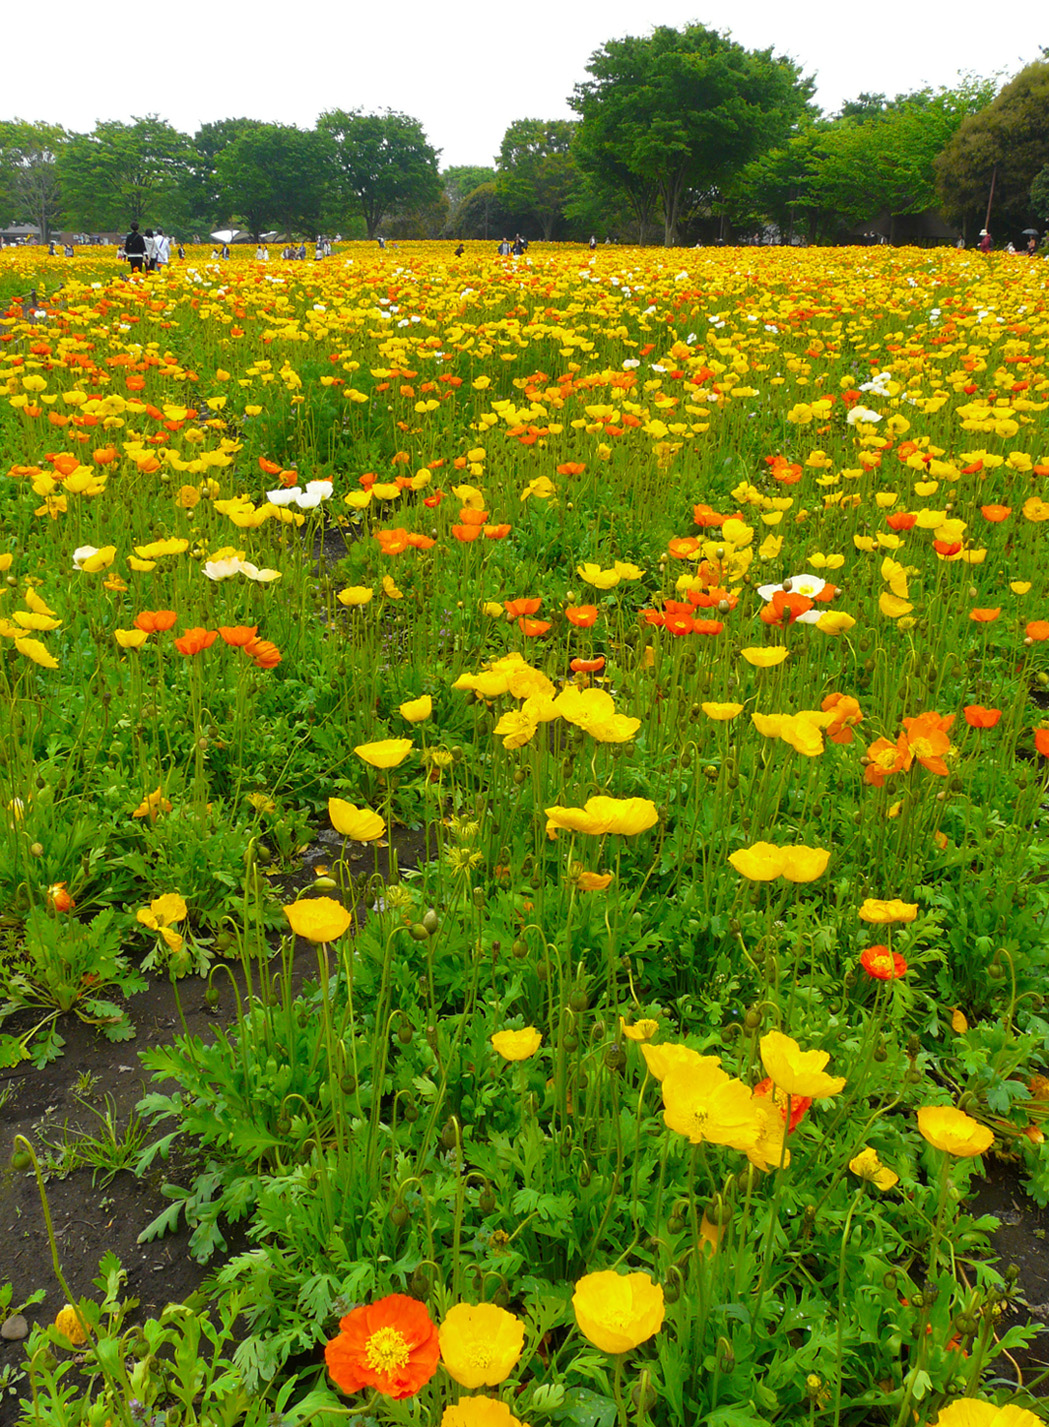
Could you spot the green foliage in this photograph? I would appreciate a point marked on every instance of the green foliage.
(1006, 141)
(537, 174)
(680, 110)
(29, 187)
(274, 175)
(382, 162)
(121, 172)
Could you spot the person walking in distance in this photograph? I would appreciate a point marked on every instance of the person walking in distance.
(163, 248)
(135, 249)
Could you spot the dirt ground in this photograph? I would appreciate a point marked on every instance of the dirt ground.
(90, 1219)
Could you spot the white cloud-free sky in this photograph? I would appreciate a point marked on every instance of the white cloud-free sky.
(465, 68)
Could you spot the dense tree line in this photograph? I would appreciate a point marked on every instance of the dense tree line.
(682, 135)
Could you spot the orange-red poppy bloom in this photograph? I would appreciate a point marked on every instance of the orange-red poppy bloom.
(391, 1346)
(846, 712)
(532, 627)
(707, 626)
(799, 1104)
(984, 616)
(996, 513)
(1038, 629)
(703, 515)
(885, 758)
(473, 517)
(466, 533)
(104, 455)
(238, 634)
(976, 716)
(1041, 741)
(947, 548)
(927, 740)
(901, 520)
(571, 468)
(784, 607)
(583, 616)
(153, 620)
(587, 666)
(269, 468)
(682, 546)
(195, 641)
(58, 899)
(263, 654)
(516, 608)
(497, 532)
(882, 964)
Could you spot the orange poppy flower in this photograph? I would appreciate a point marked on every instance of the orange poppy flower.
(433, 501)
(682, 546)
(984, 616)
(154, 620)
(392, 542)
(269, 468)
(707, 626)
(473, 517)
(846, 713)
(1041, 741)
(976, 716)
(583, 616)
(238, 634)
(996, 513)
(927, 740)
(196, 640)
(420, 542)
(1038, 629)
(677, 624)
(515, 608)
(947, 548)
(587, 666)
(901, 520)
(571, 468)
(885, 758)
(533, 627)
(882, 964)
(466, 533)
(784, 607)
(497, 532)
(391, 1346)
(703, 515)
(263, 654)
(713, 597)
(104, 456)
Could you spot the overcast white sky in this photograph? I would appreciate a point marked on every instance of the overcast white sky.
(465, 68)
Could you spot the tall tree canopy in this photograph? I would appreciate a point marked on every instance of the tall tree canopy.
(29, 187)
(537, 173)
(121, 172)
(1007, 140)
(382, 162)
(683, 109)
(275, 175)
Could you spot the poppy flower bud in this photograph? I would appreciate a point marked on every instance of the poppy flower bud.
(398, 1215)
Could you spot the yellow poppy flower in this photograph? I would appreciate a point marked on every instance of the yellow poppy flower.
(882, 913)
(318, 919)
(359, 823)
(796, 1071)
(764, 658)
(616, 1312)
(517, 1045)
(946, 1128)
(385, 753)
(480, 1345)
(417, 710)
(869, 1167)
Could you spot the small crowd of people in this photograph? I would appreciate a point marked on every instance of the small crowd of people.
(986, 243)
(148, 251)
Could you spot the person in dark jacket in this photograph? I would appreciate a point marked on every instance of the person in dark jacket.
(135, 249)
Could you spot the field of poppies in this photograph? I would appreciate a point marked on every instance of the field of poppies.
(627, 671)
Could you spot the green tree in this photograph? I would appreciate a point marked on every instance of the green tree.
(275, 176)
(481, 215)
(536, 173)
(29, 186)
(204, 201)
(121, 172)
(381, 163)
(1006, 142)
(683, 109)
(873, 160)
(1040, 195)
(459, 181)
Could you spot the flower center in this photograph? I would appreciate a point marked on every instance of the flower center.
(387, 1350)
